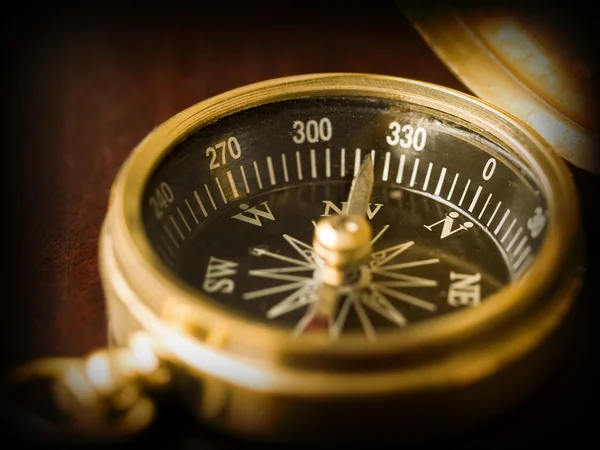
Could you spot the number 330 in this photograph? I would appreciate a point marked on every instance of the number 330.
(411, 137)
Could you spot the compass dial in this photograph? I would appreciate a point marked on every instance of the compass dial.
(232, 211)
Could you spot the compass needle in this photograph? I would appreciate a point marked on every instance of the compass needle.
(342, 244)
(361, 189)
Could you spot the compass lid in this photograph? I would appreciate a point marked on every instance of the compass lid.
(535, 63)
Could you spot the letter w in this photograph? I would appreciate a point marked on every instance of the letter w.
(253, 215)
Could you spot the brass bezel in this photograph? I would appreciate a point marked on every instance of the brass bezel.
(454, 350)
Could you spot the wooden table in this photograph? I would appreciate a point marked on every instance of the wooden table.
(87, 84)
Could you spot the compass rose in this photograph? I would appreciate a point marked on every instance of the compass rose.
(379, 287)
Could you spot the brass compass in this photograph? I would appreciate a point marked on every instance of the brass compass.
(307, 248)
(328, 256)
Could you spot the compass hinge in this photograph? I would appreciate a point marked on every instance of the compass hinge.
(106, 392)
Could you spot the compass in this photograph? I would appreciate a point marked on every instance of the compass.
(341, 254)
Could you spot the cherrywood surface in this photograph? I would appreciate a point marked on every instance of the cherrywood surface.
(88, 84)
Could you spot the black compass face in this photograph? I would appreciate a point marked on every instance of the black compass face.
(232, 211)
(412, 273)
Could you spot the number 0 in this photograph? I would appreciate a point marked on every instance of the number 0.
(489, 169)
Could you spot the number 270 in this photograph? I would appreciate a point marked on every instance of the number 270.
(231, 146)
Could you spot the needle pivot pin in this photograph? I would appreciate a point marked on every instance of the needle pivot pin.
(343, 243)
